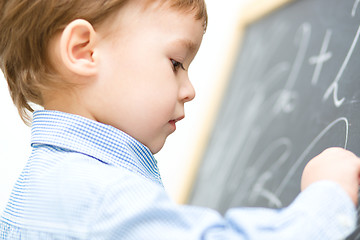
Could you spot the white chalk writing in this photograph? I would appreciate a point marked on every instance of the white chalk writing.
(319, 60)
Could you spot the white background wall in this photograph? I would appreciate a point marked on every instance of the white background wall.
(174, 158)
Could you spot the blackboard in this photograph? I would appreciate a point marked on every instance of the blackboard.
(293, 91)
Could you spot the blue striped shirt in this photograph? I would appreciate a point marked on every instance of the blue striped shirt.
(87, 180)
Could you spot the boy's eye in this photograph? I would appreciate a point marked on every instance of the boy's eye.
(177, 65)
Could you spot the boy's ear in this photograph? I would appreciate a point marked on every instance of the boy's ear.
(77, 48)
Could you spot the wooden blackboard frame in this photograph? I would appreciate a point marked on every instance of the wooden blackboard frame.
(255, 10)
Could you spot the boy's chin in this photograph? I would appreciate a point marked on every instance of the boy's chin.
(155, 148)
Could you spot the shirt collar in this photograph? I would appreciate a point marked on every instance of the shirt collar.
(102, 142)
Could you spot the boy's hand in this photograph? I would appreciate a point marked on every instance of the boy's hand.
(334, 164)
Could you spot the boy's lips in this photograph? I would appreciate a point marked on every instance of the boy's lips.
(179, 119)
(174, 121)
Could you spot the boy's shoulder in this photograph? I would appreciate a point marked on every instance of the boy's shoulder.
(66, 188)
(75, 173)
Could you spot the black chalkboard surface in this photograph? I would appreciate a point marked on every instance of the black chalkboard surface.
(294, 91)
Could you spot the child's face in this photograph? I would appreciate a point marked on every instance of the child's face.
(142, 86)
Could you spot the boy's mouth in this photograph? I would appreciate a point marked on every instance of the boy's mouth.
(174, 121)
(179, 119)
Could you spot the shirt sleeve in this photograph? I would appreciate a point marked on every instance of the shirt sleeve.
(322, 211)
(136, 209)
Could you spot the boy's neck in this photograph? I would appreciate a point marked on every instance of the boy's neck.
(66, 102)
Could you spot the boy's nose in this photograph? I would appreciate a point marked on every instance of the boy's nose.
(187, 91)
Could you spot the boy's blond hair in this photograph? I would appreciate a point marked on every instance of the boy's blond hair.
(26, 27)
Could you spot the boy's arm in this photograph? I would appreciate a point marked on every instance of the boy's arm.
(326, 207)
(134, 208)
(322, 211)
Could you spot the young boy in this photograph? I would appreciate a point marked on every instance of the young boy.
(112, 76)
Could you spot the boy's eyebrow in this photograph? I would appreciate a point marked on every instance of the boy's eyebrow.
(187, 43)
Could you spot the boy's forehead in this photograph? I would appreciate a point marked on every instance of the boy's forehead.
(195, 7)
(178, 5)
(150, 12)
